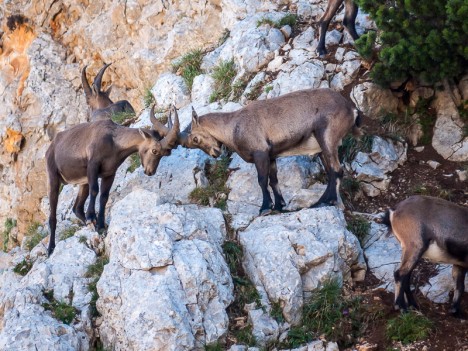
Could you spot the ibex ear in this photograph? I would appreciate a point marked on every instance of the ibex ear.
(108, 91)
(144, 133)
(194, 117)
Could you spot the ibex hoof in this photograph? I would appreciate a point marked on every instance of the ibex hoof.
(265, 212)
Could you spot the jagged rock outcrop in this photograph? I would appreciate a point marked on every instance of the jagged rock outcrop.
(313, 245)
(173, 283)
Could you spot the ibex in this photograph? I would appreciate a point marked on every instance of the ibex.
(431, 228)
(88, 151)
(349, 21)
(304, 122)
(99, 102)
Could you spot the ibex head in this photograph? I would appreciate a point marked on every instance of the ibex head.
(153, 149)
(200, 138)
(96, 98)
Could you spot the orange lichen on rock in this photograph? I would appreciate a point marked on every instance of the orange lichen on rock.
(13, 141)
(14, 61)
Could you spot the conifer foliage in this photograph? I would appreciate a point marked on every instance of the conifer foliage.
(424, 39)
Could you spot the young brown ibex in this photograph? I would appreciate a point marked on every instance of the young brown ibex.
(88, 151)
(99, 102)
(349, 21)
(431, 228)
(304, 122)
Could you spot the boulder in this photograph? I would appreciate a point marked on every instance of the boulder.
(173, 282)
(171, 89)
(373, 100)
(312, 245)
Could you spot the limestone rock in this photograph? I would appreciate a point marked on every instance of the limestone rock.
(173, 281)
(265, 328)
(171, 89)
(245, 198)
(449, 139)
(373, 101)
(308, 253)
(202, 89)
(372, 168)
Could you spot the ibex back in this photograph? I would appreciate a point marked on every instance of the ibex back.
(304, 122)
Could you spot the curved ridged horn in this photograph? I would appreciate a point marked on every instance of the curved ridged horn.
(98, 80)
(158, 126)
(170, 139)
(85, 83)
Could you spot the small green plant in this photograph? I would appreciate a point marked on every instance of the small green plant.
(244, 336)
(351, 146)
(277, 312)
(23, 267)
(359, 226)
(60, 310)
(94, 272)
(69, 232)
(148, 98)
(10, 223)
(420, 189)
(266, 21)
(408, 327)
(34, 235)
(214, 347)
(189, 66)
(224, 37)
(255, 91)
(134, 162)
(82, 239)
(216, 192)
(223, 75)
(289, 19)
(268, 88)
(365, 45)
(121, 116)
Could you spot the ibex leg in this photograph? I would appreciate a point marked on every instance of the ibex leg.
(262, 163)
(409, 259)
(93, 191)
(106, 184)
(78, 207)
(324, 22)
(458, 274)
(279, 200)
(54, 187)
(349, 21)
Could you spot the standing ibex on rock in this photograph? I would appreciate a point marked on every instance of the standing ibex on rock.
(93, 150)
(304, 122)
(99, 102)
(431, 228)
(349, 21)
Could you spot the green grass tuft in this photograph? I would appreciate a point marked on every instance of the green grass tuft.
(95, 271)
(34, 235)
(23, 267)
(134, 162)
(60, 310)
(267, 21)
(10, 223)
(359, 226)
(214, 347)
(216, 192)
(351, 146)
(189, 66)
(82, 239)
(244, 336)
(408, 327)
(122, 116)
(277, 312)
(289, 19)
(69, 232)
(223, 75)
(148, 98)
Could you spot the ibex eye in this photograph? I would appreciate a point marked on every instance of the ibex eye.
(154, 151)
(195, 140)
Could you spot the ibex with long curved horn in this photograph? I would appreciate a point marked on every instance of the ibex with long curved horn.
(304, 122)
(349, 21)
(88, 151)
(99, 102)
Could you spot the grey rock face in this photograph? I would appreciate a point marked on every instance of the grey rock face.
(374, 101)
(173, 281)
(312, 246)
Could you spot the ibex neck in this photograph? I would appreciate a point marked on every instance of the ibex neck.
(127, 141)
(218, 124)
